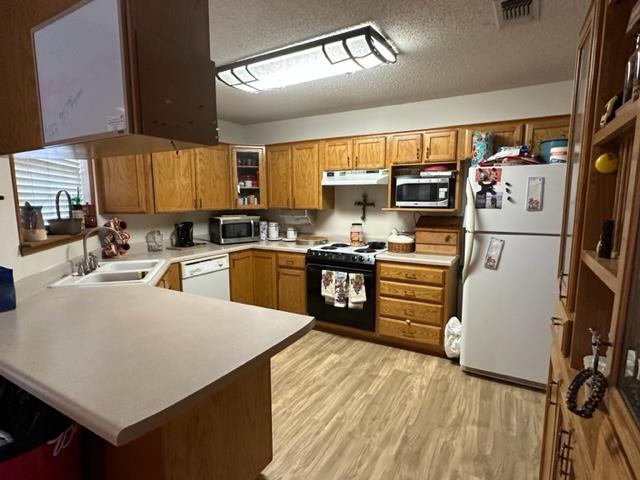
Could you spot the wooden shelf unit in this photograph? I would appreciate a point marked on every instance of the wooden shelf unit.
(606, 269)
(599, 292)
(623, 122)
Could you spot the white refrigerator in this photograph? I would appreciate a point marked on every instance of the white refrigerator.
(513, 218)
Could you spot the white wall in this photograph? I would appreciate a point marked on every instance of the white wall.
(532, 101)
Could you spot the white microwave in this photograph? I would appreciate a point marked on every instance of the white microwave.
(427, 190)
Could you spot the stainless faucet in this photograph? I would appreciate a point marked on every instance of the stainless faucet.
(89, 261)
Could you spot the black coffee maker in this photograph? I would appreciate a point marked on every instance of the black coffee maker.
(184, 234)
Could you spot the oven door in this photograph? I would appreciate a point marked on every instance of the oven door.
(425, 192)
(364, 319)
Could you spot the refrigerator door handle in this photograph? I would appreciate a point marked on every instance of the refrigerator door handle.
(470, 228)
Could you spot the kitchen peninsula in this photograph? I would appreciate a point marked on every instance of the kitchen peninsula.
(172, 385)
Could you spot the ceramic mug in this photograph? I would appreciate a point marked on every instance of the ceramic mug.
(292, 234)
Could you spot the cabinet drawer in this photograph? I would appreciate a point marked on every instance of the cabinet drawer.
(440, 238)
(410, 291)
(291, 260)
(414, 311)
(412, 273)
(407, 330)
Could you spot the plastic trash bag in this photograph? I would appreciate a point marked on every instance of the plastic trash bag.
(452, 337)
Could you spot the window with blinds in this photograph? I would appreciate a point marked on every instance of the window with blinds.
(39, 180)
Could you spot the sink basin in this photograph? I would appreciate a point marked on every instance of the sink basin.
(127, 265)
(124, 272)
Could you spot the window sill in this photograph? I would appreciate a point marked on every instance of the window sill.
(52, 241)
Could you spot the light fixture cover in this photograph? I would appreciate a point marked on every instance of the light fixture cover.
(340, 53)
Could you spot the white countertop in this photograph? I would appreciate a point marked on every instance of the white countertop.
(122, 361)
(139, 252)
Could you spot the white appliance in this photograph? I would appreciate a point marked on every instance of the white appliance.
(356, 177)
(427, 190)
(207, 276)
(506, 311)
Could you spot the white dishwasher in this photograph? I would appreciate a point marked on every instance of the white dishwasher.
(207, 276)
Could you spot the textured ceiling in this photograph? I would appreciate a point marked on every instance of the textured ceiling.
(447, 48)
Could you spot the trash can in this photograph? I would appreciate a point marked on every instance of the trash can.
(36, 441)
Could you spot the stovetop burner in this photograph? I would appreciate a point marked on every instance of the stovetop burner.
(329, 247)
(377, 245)
(339, 245)
(365, 250)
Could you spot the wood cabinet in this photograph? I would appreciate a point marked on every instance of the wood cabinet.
(294, 172)
(292, 283)
(248, 177)
(369, 152)
(440, 145)
(354, 153)
(305, 165)
(212, 178)
(414, 303)
(124, 184)
(172, 279)
(505, 134)
(548, 458)
(536, 131)
(174, 181)
(279, 174)
(166, 89)
(338, 153)
(404, 148)
(241, 277)
(265, 273)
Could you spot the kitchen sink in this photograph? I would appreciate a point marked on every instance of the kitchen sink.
(123, 272)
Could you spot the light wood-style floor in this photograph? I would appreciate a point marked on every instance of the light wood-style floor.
(347, 409)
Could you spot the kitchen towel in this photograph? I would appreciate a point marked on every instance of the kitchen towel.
(341, 290)
(357, 291)
(328, 284)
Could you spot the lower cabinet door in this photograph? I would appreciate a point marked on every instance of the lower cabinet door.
(265, 279)
(292, 290)
(241, 277)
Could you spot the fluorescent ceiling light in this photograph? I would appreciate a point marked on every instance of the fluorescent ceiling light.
(338, 53)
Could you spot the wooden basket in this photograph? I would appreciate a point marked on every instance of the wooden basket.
(401, 247)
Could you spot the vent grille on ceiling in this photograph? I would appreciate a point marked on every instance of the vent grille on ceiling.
(510, 12)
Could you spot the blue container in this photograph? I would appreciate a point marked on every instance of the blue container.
(7, 290)
(547, 145)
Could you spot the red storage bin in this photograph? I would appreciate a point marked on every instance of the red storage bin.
(57, 459)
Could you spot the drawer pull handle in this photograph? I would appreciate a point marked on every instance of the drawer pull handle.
(408, 322)
(556, 322)
(289, 262)
(411, 276)
(409, 312)
(409, 293)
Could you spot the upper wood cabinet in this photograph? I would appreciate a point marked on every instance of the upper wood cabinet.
(265, 286)
(505, 134)
(279, 175)
(404, 148)
(241, 277)
(338, 153)
(155, 82)
(439, 145)
(369, 152)
(124, 184)
(174, 181)
(212, 178)
(305, 163)
(248, 177)
(536, 131)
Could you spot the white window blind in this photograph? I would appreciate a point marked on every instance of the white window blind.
(39, 180)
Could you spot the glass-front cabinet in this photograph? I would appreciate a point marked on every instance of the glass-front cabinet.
(249, 181)
(579, 141)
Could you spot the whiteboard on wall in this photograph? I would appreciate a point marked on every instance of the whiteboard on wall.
(80, 72)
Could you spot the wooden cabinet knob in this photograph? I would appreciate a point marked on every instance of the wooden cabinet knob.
(408, 322)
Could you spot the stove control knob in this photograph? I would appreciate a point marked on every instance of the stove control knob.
(361, 259)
